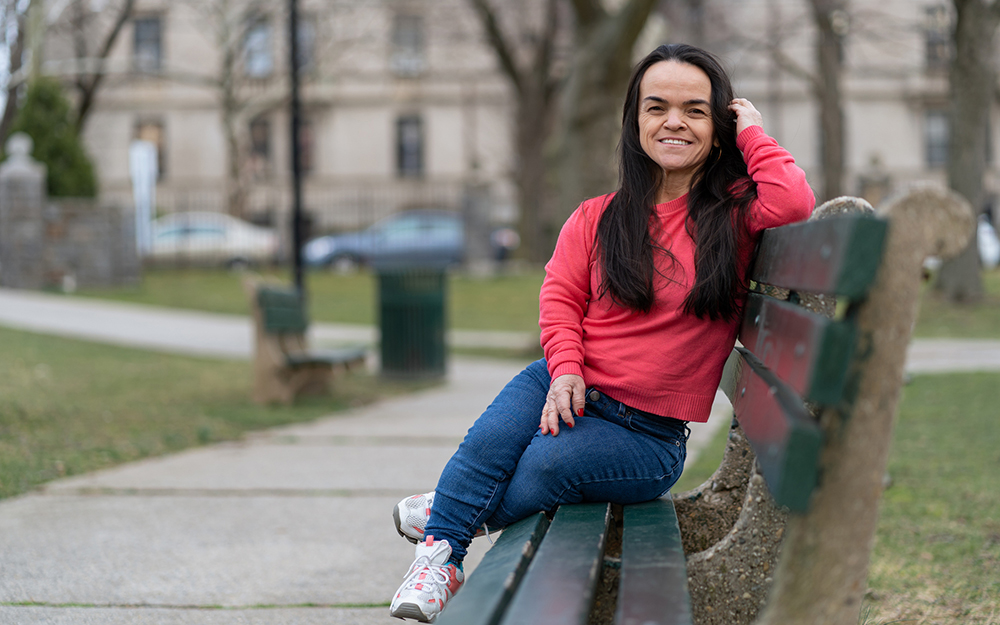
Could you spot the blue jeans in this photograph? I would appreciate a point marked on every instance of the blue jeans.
(506, 470)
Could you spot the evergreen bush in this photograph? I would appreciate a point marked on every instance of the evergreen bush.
(47, 118)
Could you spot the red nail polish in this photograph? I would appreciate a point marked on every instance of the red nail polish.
(579, 412)
(570, 424)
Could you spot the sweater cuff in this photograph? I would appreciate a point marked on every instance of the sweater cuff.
(566, 368)
(748, 133)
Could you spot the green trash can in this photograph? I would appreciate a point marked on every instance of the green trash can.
(411, 320)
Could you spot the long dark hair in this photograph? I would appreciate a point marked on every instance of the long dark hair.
(718, 203)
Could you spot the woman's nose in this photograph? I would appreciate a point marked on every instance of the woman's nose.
(674, 120)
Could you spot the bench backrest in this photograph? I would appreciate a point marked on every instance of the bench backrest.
(282, 310)
(792, 355)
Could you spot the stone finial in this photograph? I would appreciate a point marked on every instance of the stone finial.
(19, 163)
(843, 205)
(19, 146)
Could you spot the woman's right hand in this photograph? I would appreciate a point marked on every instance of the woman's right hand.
(565, 399)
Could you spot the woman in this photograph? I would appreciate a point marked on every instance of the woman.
(639, 311)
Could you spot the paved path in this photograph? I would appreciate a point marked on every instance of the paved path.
(291, 525)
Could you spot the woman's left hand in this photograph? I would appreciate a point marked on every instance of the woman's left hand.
(746, 114)
(564, 400)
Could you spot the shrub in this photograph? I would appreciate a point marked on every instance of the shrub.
(47, 118)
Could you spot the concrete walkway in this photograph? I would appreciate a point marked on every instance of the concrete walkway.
(291, 525)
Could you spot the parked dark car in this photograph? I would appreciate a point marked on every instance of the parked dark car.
(420, 236)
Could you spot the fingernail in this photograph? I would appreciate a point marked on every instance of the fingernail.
(579, 412)
(570, 424)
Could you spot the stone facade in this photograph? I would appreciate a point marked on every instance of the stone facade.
(406, 107)
(403, 106)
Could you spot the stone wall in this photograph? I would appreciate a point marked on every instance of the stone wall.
(88, 244)
(58, 243)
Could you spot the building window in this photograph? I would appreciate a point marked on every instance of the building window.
(260, 148)
(410, 146)
(936, 131)
(147, 53)
(408, 45)
(937, 37)
(258, 51)
(307, 44)
(152, 131)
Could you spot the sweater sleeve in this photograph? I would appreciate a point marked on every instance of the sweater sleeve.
(783, 194)
(565, 295)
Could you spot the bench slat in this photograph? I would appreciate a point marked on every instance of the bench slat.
(325, 356)
(282, 310)
(783, 434)
(653, 584)
(810, 352)
(484, 597)
(838, 256)
(558, 588)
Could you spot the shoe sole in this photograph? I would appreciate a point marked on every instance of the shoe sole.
(399, 529)
(410, 610)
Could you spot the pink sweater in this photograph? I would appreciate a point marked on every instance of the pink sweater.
(666, 362)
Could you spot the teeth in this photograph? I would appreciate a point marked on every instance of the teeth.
(674, 141)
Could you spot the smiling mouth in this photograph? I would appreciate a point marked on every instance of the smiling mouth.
(674, 142)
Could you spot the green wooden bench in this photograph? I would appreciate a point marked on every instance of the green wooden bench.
(284, 365)
(551, 572)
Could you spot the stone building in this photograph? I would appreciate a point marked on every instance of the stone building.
(402, 108)
(405, 106)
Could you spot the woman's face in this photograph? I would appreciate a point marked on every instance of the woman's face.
(675, 118)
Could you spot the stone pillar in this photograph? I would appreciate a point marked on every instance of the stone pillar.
(22, 226)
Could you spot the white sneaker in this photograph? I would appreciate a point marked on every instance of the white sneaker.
(411, 515)
(429, 584)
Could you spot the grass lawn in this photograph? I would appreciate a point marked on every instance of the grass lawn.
(939, 319)
(68, 407)
(937, 547)
(504, 302)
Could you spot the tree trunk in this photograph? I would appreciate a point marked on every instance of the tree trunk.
(11, 108)
(584, 149)
(236, 187)
(972, 77)
(831, 23)
(533, 128)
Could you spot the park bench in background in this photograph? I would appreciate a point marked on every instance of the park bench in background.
(814, 387)
(284, 366)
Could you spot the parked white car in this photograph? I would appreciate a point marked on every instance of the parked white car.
(211, 238)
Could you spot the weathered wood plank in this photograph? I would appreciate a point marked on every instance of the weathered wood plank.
(781, 431)
(485, 596)
(653, 584)
(837, 256)
(558, 588)
(810, 352)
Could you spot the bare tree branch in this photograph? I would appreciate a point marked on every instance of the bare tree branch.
(789, 65)
(88, 88)
(499, 42)
(546, 51)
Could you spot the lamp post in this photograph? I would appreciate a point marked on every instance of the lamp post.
(296, 106)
